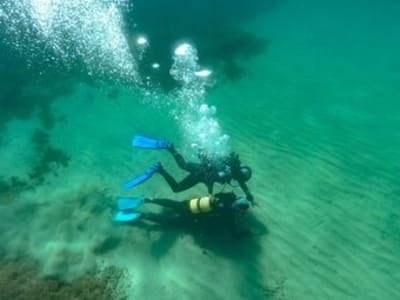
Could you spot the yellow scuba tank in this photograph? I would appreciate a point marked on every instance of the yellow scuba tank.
(200, 205)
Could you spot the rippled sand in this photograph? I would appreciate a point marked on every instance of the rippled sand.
(314, 115)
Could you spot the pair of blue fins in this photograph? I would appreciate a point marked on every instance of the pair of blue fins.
(127, 209)
(146, 143)
(127, 206)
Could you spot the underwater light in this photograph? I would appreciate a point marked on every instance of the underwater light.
(155, 65)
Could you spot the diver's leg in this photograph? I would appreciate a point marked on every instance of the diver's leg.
(180, 161)
(179, 207)
(169, 179)
(165, 202)
(160, 218)
(186, 183)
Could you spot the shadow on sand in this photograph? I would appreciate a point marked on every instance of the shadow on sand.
(213, 235)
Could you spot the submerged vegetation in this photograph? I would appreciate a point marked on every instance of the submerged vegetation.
(22, 281)
(50, 158)
(49, 161)
(10, 188)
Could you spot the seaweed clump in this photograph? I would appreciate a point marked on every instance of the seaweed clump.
(21, 281)
(10, 188)
(50, 158)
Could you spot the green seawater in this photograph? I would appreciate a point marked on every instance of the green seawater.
(308, 94)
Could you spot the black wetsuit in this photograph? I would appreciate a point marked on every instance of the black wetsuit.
(219, 205)
(205, 172)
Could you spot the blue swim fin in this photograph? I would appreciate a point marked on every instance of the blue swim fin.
(123, 216)
(149, 143)
(142, 177)
(129, 203)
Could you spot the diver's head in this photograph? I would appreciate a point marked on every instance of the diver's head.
(245, 173)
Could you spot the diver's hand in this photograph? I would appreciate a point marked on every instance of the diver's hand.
(250, 198)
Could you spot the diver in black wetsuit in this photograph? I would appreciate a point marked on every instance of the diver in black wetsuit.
(225, 207)
(208, 172)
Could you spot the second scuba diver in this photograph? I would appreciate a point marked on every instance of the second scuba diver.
(226, 207)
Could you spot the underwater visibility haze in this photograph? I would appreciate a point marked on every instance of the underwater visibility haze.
(307, 94)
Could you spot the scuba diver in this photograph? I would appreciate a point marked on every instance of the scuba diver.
(207, 171)
(225, 207)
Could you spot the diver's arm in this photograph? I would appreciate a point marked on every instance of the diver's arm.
(246, 190)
